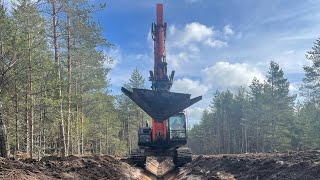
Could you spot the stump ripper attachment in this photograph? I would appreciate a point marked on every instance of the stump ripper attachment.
(160, 105)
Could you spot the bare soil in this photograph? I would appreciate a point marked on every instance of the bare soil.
(291, 165)
(71, 167)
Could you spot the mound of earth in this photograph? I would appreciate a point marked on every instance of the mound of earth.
(71, 167)
(292, 165)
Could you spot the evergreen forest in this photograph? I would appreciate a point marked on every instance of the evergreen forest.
(56, 100)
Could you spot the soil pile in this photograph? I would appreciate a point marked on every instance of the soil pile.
(292, 165)
(71, 167)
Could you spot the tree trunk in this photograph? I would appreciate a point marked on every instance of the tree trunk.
(31, 98)
(81, 134)
(39, 145)
(100, 146)
(81, 110)
(129, 136)
(44, 108)
(3, 137)
(77, 129)
(59, 91)
(16, 115)
(107, 133)
(246, 138)
(69, 83)
(27, 123)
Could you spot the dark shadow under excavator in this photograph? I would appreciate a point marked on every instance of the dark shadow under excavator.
(161, 146)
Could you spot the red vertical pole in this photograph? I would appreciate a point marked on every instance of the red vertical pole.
(159, 45)
(159, 69)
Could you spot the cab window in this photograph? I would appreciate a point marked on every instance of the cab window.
(177, 125)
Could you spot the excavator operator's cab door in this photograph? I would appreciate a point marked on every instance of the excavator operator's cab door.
(177, 127)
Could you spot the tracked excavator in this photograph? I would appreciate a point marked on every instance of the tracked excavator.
(161, 146)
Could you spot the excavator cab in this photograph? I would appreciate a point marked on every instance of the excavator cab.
(176, 133)
(177, 127)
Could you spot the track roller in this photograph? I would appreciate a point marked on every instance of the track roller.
(182, 156)
(138, 157)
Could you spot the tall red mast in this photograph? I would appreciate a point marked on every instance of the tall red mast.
(159, 77)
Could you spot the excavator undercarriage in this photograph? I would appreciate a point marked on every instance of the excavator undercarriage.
(161, 163)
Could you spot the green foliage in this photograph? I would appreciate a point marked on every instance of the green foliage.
(312, 74)
(130, 115)
(30, 84)
(258, 120)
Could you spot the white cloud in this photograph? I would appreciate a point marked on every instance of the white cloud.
(180, 59)
(194, 33)
(186, 44)
(193, 49)
(291, 51)
(172, 29)
(114, 57)
(227, 30)
(293, 88)
(227, 75)
(216, 43)
(185, 85)
(292, 61)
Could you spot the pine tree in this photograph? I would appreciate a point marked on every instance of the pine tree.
(131, 115)
(312, 73)
(281, 114)
(32, 34)
(258, 115)
(5, 63)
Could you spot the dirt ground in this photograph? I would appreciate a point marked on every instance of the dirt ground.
(71, 167)
(292, 165)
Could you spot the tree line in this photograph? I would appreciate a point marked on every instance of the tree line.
(263, 117)
(54, 87)
(55, 94)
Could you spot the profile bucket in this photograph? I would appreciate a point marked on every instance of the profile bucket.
(160, 105)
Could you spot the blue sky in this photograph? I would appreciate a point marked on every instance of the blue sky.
(213, 44)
